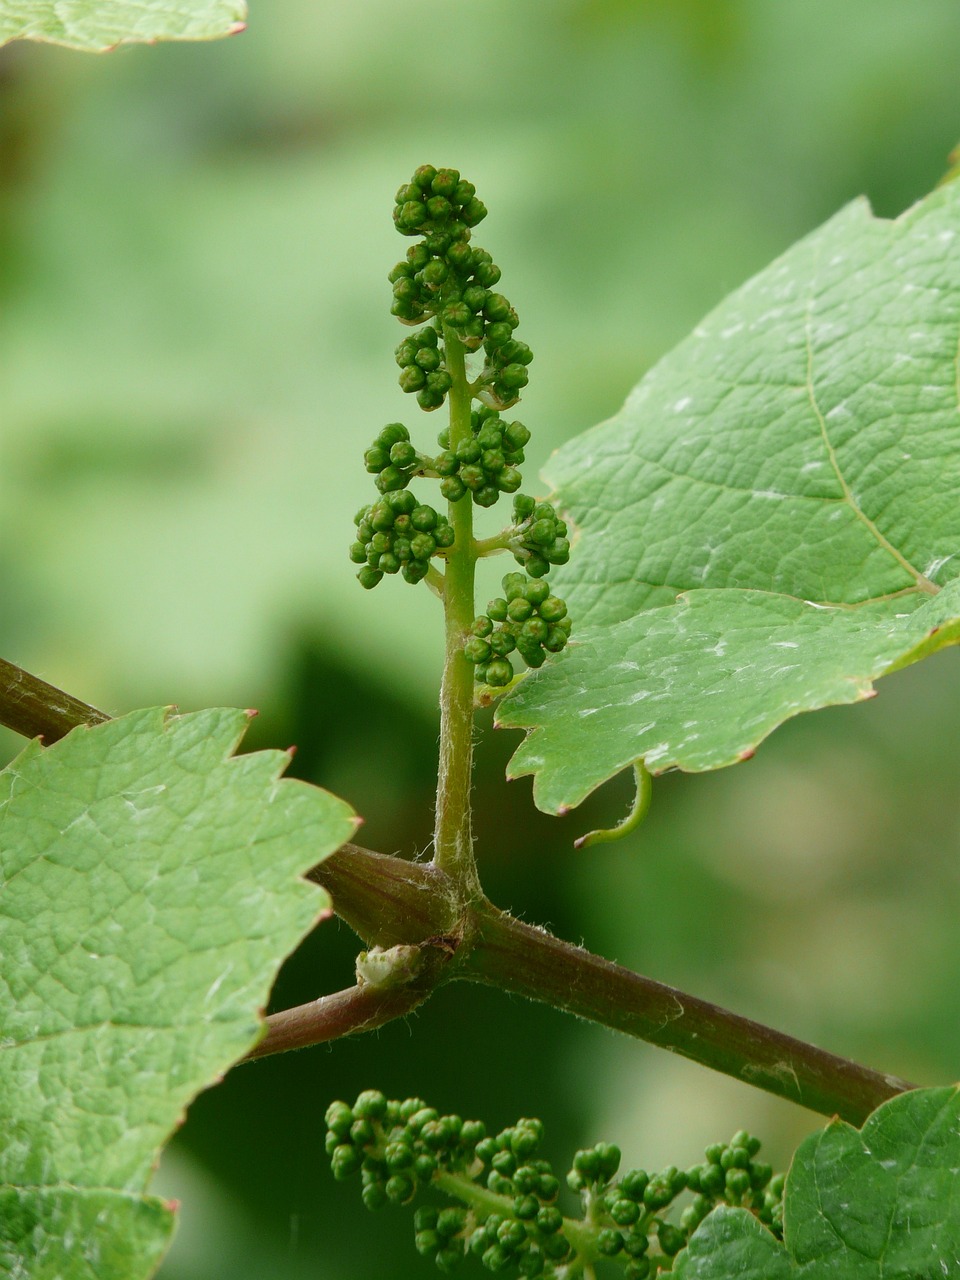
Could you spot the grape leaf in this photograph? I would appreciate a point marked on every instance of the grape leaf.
(770, 523)
(881, 1203)
(99, 25)
(149, 888)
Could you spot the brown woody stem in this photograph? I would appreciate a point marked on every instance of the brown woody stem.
(389, 901)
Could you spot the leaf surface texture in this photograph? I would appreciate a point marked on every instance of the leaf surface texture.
(149, 889)
(771, 522)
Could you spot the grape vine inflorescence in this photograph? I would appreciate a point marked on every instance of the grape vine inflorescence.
(445, 289)
(509, 1217)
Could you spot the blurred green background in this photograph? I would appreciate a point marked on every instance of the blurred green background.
(196, 347)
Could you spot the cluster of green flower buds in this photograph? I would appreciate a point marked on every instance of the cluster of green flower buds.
(398, 535)
(393, 459)
(510, 1221)
(540, 538)
(487, 464)
(446, 280)
(445, 289)
(731, 1174)
(527, 619)
(422, 370)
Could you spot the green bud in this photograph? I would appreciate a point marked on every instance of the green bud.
(526, 1207)
(499, 673)
(460, 256)
(634, 1184)
(638, 1270)
(549, 1220)
(609, 1242)
(339, 1117)
(497, 333)
(496, 308)
(428, 358)
(400, 1189)
(511, 1234)
(496, 1258)
(476, 650)
(426, 1242)
(424, 519)
(555, 640)
(549, 1187)
(468, 451)
(391, 433)
(345, 1161)
(486, 274)
(624, 1212)
(502, 643)
(376, 458)
(373, 1196)
(671, 1238)
(403, 454)
(444, 182)
(452, 488)
(422, 546)
(412, 378)
(368, 577)
(391, 478)
(738, 1183)
(473, 211)
(456, 314)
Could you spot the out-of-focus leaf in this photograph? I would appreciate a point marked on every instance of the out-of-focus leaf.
(98, 25)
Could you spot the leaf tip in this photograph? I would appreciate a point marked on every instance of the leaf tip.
(237, 29)
(251, 713)
(747, 754)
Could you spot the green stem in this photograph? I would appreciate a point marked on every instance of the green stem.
(485, 1202)
(493, 546)
(453, 833)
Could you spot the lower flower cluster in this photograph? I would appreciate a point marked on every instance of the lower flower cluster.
(508, 1217)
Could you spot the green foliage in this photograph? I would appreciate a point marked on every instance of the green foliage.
(771, 522)
(859, 1205)
(149, 888)
(511, 1221)
(99, 25)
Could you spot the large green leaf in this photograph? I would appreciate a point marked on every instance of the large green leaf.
(771, 522)
(878, 1204)
(149, 888)
(99, 25)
